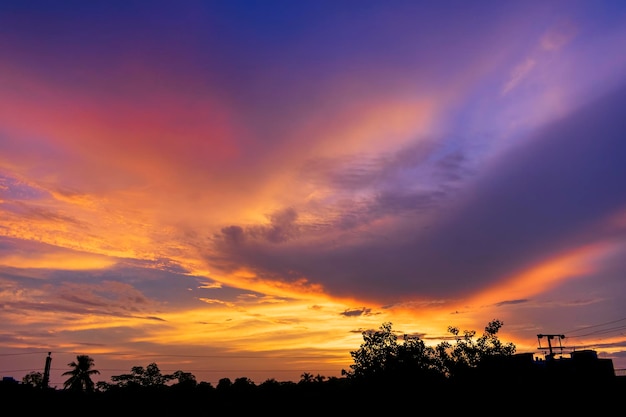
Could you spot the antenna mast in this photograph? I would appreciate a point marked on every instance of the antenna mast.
(550, 347)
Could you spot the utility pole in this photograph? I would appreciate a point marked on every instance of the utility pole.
(46, 372)
(550, 347)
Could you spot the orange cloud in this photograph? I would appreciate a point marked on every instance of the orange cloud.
(546, 275)
(64, 261)
(382, 125)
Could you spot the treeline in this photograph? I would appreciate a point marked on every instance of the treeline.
(386, 369)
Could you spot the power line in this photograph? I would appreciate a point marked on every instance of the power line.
(595, 325)
(605, 331)
(142, 355)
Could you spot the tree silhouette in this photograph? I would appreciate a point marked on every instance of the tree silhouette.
(224, 384)
(185, 379)
(466, 354)
(34, 379)
(381, 358)
(306, 378)
(149, 377)
(243, 384)
(376, 352)
(80, 375)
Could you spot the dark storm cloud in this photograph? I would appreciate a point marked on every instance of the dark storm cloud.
(388, 183)
(536, 200)
(539, 199)
(283, 227)
(233, 235)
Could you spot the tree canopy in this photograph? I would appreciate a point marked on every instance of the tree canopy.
(148, 377)
(34, 379)
(381, 358)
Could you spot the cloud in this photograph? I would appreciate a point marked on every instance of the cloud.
(283, 226)
(518, 73)
(538, 199)
(355, 312)
(233, 235)
(511, 302)
(558, 35)
(28, 255)
(12, 188)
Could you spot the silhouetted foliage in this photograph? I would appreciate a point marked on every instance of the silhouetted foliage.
(185, 379)
(149, 377)
(224, 384)
(80, 375)
(381, 358)
(243, 385)
(102, 386)
(34, 379)
(416, 362)
(373, 358)
(466, 354)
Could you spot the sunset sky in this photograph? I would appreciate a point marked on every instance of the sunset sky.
(241, 188)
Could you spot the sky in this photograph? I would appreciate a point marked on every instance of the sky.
(241, 188)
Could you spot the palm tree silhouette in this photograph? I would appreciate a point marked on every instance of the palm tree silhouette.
(80, 375)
